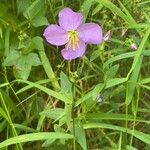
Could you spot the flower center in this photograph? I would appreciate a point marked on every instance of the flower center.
(73, 39)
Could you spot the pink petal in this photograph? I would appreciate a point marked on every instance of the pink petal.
(69, 53)
(55, 35)
(90, 33)
(69, 19)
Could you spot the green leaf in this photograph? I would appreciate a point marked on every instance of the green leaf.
(22, 5)
(129, 147)
(119, 11)
(85, 8)
(95, 55)
(118, 57)
(145, 86)
(3, 9)
(33, 59)
(123, 56)
(114, 82)
(21, 63)
(35, 13)
(140, 135)
(12, 58)
(38, 43)
(111, 72)
(98, 88)
(145, 80)
(80, 136)
(53, 113)
(48, 91)
(68, 116)
(40, 21)
(22, 69)
(130, 18)
(23, 66)
(29, 86)
(116, 10)
(47, 66)
(48, 142)
(24, 128)
(10, 104)
(113, 116)
(133, 74)
(84, 98)
(66, 85)
(132, 82)
(35, 137)
(4, 115)
(35, 9)
(139, 52)
(58, 128)
(4, 84)
(3, 125)
(97, 9)
(120, 142)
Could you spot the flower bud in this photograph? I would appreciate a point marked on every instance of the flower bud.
(107, 36)
(134, 46)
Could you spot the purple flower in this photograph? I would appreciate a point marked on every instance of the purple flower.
(107, 36)
(72, 33)
(133, 46)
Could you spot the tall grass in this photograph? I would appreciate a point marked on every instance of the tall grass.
(99, 101)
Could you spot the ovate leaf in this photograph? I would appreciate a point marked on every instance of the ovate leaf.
(66, 86)
(24, 64)
(21, 63)
(12, 58)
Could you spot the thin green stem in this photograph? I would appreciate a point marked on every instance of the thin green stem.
(69, 67)
(126, 123)
(74, 139)
(135, 115)
(73, 108)
(73, 120)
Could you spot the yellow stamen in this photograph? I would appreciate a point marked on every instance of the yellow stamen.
(73, 39)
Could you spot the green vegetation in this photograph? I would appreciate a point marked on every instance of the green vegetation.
(100, 101)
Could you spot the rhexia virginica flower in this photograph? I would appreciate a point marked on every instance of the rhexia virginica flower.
(73, 33)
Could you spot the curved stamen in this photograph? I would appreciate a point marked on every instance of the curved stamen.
(73, 39)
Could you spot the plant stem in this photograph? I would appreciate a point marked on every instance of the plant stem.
(135, 114)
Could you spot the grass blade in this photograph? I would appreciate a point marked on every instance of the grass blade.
(140, 135)
(34, 137)
(48, 91)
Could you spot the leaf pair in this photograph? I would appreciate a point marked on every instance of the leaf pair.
(21, 63)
